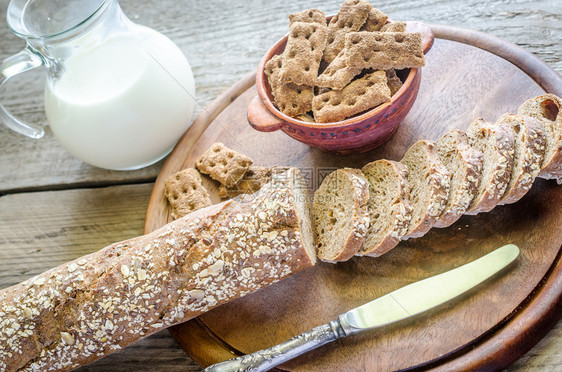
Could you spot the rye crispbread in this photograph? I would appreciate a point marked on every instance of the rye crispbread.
(360, 95)
(223, 164)
(351, 17)
(291, 99)
(384, 50)
(305, 45)
(185, 192)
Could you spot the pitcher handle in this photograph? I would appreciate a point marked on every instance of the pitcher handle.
(25, 60)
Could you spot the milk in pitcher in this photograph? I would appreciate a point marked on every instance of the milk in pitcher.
(120, 106)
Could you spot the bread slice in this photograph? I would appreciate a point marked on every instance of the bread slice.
(465, 165)
(428, 180)
(548, 109)
(389, 206)
(93, 306)
(495, 141)
(529, 147)
(340, 214)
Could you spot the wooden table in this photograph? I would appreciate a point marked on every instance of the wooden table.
(54, 208)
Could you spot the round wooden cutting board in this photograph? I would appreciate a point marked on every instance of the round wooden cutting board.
(467, 75)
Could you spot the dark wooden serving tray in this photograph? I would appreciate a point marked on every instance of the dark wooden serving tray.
(468, 75)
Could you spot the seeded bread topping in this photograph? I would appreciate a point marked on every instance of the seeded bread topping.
(88, 308)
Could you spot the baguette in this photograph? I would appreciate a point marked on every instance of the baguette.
(85, 309)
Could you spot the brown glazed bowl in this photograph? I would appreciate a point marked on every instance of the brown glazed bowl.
(356, 134)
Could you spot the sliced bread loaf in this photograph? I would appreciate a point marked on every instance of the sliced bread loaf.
(548, 109)
(428, 180)
(389, 206)
(528, 156)
(495, 141)
(340, 214)
(465, 166)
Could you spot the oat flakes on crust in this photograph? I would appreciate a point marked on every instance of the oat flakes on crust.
(223, 164)
(185, 192)
(360, 95)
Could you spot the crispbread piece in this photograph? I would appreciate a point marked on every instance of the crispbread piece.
(548, 109)
(351, 17)
(337, 75)
(465, 166)
(389, 206)
(223, 164)
(308, 16)
(375, 20)
(360, 95)
(384, 50)
(303, 52)
(393, 81)
(291, 99)
(394, 27)
(341, 214)
(530, 143)
(495, 141)
(185, 192)
(428, 180)
(253, 181)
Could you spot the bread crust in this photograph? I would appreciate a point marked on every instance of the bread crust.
(88, 308)
(359, 215)
(529, 146)
(465, 175)
(436, 185)
(495, 141)
(399, 209)
(548, 109)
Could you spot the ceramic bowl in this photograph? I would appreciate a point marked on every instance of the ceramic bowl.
(356, 134)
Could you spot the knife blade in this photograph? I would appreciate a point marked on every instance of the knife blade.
(395, 306)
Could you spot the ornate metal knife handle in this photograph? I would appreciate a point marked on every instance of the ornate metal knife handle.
(266, 359)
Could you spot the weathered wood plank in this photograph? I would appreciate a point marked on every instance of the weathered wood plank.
(224, 40)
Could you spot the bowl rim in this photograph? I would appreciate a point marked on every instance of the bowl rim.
(261, 81)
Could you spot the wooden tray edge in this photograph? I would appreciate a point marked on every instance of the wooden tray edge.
(534, 67)
(190, 137)
(538, 313)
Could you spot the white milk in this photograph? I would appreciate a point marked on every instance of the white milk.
(120, 105)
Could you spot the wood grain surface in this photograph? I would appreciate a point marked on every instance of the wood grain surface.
(224, 41)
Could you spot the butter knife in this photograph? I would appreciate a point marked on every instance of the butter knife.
(403, 303)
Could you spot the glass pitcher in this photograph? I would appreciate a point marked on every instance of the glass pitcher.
(118, 95)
